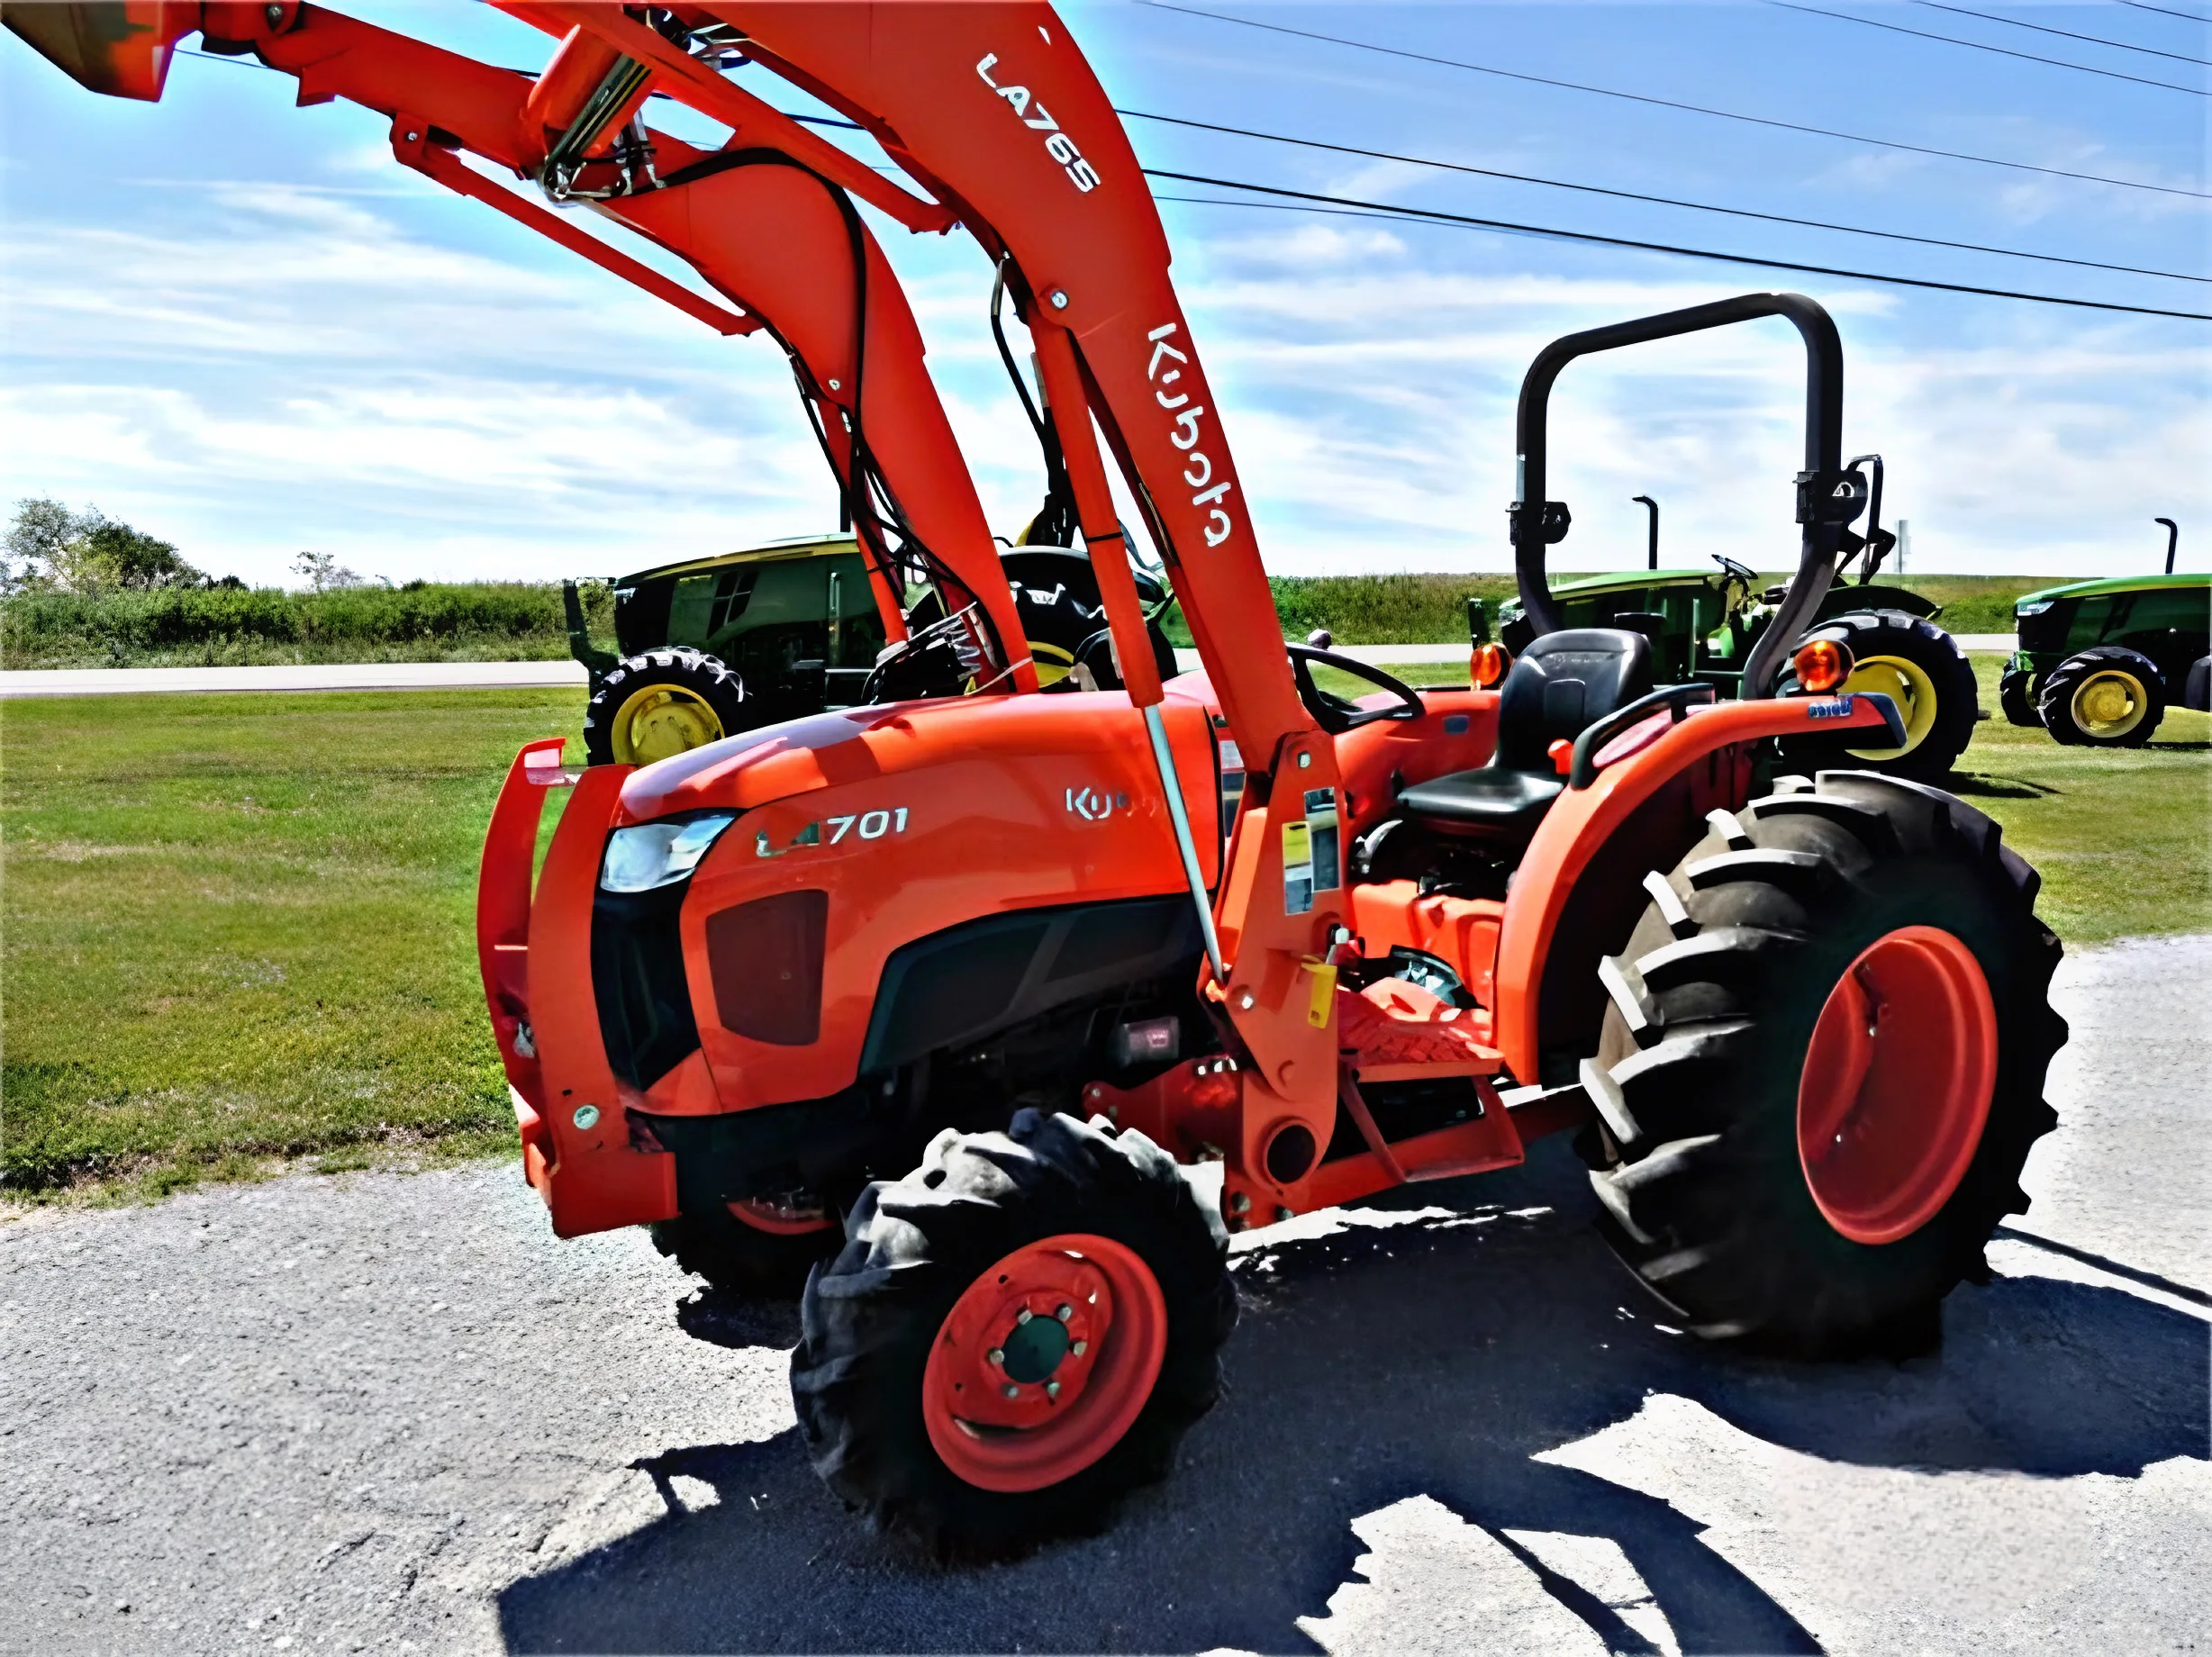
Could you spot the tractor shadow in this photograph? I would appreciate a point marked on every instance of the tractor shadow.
(1988, 787)
(1434, 1346)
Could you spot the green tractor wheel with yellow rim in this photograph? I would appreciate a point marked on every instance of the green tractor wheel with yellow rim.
(2107, 697)
(663, 703)
(1920, 667)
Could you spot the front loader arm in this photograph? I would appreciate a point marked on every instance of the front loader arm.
(765, 222)
(993, 108)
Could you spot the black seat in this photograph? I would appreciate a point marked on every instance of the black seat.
(1559, 686)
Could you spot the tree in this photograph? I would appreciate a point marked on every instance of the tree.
(50, 547)
(324, 573)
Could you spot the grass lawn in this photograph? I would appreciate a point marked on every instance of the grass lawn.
(238, 927)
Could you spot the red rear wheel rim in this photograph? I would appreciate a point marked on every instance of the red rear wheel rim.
(1080, 1366)
(1896, 1084)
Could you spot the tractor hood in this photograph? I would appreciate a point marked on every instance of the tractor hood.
(827, 751)
(1621, 581)
(2043, 598)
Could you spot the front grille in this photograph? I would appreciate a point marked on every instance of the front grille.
(638, 979)
(2047, 631)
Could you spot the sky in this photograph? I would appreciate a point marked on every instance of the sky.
(241, 326)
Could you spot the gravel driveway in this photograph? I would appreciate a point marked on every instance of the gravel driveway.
(391, 1412)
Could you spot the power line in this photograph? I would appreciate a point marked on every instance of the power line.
(1436, 215)
(1663, 201)
(1695, 109)
(1350, 207)
(2002, 52)
(2168, 11)
(1344, 206)
(2094, 39)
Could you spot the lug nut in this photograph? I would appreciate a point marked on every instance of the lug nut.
(1013, 1390)
(1080, 1347)
(1239, 1203)
(1245, 1001)
(1059, 300)
(995, 1355)
(1052, 1389)
(1065, 1313)
(1024, 1314)
(1282, 1213)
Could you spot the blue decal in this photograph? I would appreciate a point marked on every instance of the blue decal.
(1840, 709)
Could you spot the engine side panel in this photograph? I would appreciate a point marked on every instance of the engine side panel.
(913, 820)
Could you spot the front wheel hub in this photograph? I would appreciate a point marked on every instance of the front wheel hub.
(1044, 1363)
(1896, 1084)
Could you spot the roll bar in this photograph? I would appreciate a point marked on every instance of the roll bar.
(1828, 494)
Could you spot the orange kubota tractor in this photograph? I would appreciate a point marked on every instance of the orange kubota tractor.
(1059, 948)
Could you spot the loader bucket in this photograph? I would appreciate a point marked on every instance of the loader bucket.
(119, 47)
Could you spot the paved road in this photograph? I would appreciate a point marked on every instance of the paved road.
(391, 1412)
(480, 675)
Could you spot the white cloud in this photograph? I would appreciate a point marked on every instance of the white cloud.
(403, 380)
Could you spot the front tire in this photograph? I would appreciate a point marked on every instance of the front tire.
(761, 1249)
(1920, 667)
(661, 703)
(1822, 1066)
(913, 1336)
(2105, 697)
(2016, 694)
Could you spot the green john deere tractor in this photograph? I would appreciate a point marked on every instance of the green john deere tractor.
(1703, 623)
(2100, 662)
(711, 647)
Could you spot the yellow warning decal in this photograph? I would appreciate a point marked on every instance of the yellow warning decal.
(1297, 867)
(1323, 993)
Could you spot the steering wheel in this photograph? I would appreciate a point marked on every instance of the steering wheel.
(1336, 714)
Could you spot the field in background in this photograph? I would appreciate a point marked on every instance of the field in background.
(238, 927)
(520, 622)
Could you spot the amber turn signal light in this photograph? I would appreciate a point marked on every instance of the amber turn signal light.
(1489, 666)
(1822, 666)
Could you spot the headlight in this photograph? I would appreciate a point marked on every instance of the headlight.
(2036, 609)
(655, 855)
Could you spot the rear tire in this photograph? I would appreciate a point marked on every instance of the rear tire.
(1920, 667)
(1700, 1165)
(862, 1377)
(2105, 697)
(661, 703)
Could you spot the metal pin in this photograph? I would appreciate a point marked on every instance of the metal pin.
(1024, 1314)
(1013, 1390)
(1065, 1313)
(995, 1355)
(1080, 1347)
(1052, 1389)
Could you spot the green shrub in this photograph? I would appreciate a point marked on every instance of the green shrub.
(217, 625)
